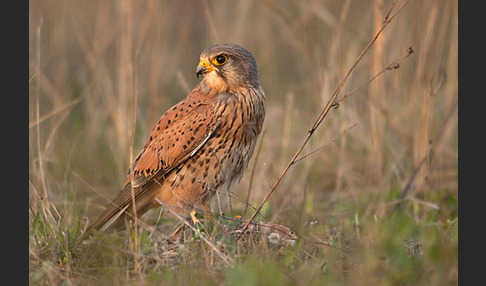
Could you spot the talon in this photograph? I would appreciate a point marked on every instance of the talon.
(195, 220)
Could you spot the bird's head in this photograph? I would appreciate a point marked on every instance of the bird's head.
(227, 66)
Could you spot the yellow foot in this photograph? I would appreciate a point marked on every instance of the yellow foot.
(194, 218)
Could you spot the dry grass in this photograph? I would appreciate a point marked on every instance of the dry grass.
(391, 142)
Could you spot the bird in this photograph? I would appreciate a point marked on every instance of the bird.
(199, 145)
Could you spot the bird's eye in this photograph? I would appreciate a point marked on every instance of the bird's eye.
(220, 60)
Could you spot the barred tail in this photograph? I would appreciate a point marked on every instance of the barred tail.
(112, 218)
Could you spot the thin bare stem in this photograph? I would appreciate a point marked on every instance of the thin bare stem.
(391, 67)
(389, 17)
(325, 145)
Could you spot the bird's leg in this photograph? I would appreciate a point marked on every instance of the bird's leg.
(207, 212)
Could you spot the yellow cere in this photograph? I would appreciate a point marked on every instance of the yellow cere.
(204, 63)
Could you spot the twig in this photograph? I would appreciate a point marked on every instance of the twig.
(325, 145)
(226, 259)
(391, 67)
(327, 108)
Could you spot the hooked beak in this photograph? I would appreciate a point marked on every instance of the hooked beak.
(203, 67)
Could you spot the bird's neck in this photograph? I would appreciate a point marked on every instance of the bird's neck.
(214, 83)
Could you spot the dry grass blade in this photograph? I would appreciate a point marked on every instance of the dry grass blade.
(328, 106)
(252, 175)
(405, 191)
(330, 219)
(55, 112)
(46, 205)
(130, 87)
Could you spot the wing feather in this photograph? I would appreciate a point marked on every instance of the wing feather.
(176, 137)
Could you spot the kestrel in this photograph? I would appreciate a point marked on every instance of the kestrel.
(202, 143)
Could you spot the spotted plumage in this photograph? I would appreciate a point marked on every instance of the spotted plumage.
(200, 144)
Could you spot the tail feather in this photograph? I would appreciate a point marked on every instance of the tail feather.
(113, 216)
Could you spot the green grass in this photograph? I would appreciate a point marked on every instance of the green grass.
(340, 201)
(396, 249)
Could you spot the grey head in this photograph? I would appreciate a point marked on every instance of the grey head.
(233, 63)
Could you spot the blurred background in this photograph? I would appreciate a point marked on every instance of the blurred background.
(89, 61)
